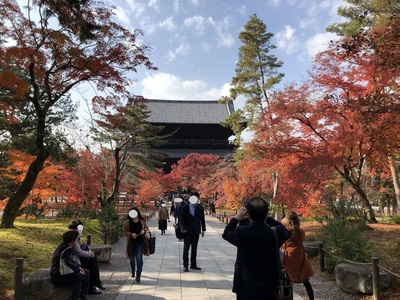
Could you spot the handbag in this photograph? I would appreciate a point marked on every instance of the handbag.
(178, 232)
(285, 287)
(152, 244)
(64, 268)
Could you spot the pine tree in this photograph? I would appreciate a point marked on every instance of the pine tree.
(256, 75)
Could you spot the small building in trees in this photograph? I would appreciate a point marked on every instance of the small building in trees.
(195, 127)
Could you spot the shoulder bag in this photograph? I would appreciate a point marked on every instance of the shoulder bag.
(64, 268)
(285, 287)
(152, 244)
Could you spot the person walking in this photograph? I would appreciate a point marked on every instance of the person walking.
(192, 222)
(163, 217)
(137, 241)
(176, 209)
(79, 279)
(87, 258)
(295, 259)
(256, 274)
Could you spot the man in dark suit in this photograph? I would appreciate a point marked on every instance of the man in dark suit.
(256, 274)
(193, 224)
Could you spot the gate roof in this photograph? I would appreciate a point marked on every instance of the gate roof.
(188, 112)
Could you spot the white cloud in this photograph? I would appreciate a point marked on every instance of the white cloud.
(176, 6)
(206, 47)
(287, 40)
(195, 2)
(183, 49)
(136, 8)
(154, 4)
(224, 38)
(121, 15)
(275, 2)
(320, 13)
(197, 22)
(243, 10)
(319, 42)
(171, 87)
(168, 24)
(171, 55)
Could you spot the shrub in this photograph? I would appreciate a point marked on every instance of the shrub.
(341, 235)
(110, 223)
(68, 212)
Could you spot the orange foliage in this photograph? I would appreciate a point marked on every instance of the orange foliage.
(194, 169)
(149, 188)
(51, 181)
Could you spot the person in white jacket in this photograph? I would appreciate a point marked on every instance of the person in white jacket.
(87, 257)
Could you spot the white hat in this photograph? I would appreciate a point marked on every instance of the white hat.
(193, 199)
(133, 213)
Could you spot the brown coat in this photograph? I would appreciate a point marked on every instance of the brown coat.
(296, 260)
(128, 235)
(163, 214)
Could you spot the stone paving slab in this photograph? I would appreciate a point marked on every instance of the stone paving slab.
(163, 277)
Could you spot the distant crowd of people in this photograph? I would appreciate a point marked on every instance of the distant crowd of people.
(251, 231)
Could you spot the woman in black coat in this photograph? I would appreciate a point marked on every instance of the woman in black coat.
(78, 279)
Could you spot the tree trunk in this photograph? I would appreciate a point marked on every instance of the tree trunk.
(14, 203)
(396, 183)
(355, 183)
(275, 185)
(112, 197)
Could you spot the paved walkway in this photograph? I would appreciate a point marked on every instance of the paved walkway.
(163, 277)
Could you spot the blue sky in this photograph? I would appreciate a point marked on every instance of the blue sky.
(195, 42)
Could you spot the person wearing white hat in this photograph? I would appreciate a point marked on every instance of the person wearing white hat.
(176, 209)
(163, 217)
(138, 235)
(193, 224)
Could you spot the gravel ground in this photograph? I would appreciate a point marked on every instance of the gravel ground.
(115, 273)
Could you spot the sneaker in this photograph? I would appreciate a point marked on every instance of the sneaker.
(101, 286)
(94, 291)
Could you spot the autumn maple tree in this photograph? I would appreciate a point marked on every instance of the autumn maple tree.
(192, 170)
(50, 183)
(47, 54)
(371, 29)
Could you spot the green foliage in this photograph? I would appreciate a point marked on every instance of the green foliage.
(111, 223)
(77, 212)
(33, 210)
(394, 219)
(363, 15)
(341, 235)
(67, 212)
(256, 74)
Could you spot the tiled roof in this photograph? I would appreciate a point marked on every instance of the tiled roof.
(189, 112)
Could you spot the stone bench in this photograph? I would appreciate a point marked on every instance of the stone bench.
(357, 278)
(102, 252)
(38, 286)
